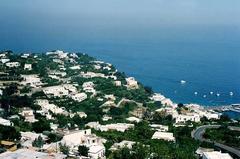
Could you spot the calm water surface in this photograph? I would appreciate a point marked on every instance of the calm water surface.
(159, 42)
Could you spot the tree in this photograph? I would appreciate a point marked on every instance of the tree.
(38, 142)
(9, 133)
(64, 149)
(41, 125)
(148, 89)
(180, 105)
(83, 150)
(123, 153)
(52, 137)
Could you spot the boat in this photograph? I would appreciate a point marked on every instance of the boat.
(211, 93)
(183, 82)
(217, 94)
(196, 93)
(231, 93)
(204, 96)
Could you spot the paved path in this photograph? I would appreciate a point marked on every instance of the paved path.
(197, 134)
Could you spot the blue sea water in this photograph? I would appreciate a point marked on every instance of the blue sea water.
(160, 42)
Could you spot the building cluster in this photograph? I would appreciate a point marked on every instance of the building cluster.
(62, 89)
(122, 127)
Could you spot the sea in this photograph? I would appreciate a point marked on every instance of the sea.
(159, 42)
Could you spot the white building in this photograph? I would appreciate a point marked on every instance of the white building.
(132, 83)
(46, 107)
(92, 75)
(216, 155)
(71, 88)
(27, 113)
(12, 64)
(211, 115)
(57, 91)
(97, 67)
(25, 56)
(96, 152)
(80, 114)
(106, 118)
(133, 119)
(89, 87)
(79, 97)
(188, 117)
(157, 97)
(163, 136)
(28, 67)
(4, 60)
(5, 122)
(159, 127)
(27, 138)
(77, 67)
(59, 53)
(122, 144)
(118, 83)
(31, 80)
(122, 127)
(30, 154)
(86, 138)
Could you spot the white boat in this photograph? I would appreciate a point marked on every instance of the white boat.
(231, 93)
(211, 93)
(183, 82)
(204, 96)
(196, 93)
(217, 94)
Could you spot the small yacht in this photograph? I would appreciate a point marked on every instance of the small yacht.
(211, 93)
(218, 94)
(204, 96)
(183, 82)
(196, 93)
(231, 93)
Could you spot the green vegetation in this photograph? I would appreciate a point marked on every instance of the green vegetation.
(38, 142)
(9, 133)
(83, 150)
(183, 148)
(224, 135)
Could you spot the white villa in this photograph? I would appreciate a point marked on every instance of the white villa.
(86, 138)
(27, 113)
(132, 83)
(133, 119)
(46, 107)
(92, 75)
(31, 80)
(122, 144)
(216, 155)
(188, 117)
(159, 127)
(89, 87)
(163, 136)
(57, 91)
(122, 127)
(30, 154)
(79, 97)
(77, 67)
(118, 83)
(25, 55)
(4, 60)
(28, 137)
(70, 88)
(5, 122)
(12, 64)
(28, 67)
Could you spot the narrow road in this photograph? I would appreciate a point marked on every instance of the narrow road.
(197, 134)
